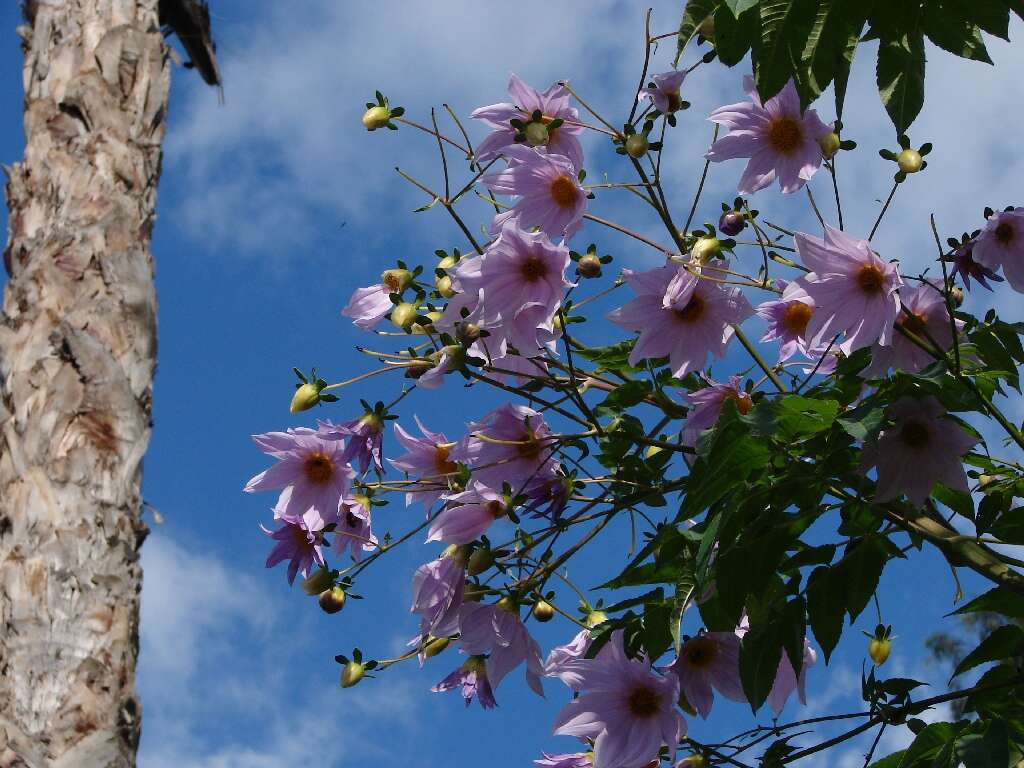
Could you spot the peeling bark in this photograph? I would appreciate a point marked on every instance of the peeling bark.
(77, 356)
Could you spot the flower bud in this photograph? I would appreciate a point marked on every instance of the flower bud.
(467, 333)
(508, 604)
(404, 314)
(376, 117)
(693, 761)
(480, 561)
(637, 145)
(705, 249)
(957, 295)
(653, 450)
(537, 134)
(594, 618)
(434, 646)
(878, 649)
(317, 582)
(376, 424)
(447, 262)
(305, 397)
(473, 593)
(332, 600)
(444, 286)
(732, 223)
(909, 161)
(543, 611)
(985, 480)
(433, 316)
(829, 144)
(589, 265)
(397, 280)
(352, 673)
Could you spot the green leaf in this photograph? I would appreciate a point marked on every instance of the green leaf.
(793, 418)
(625, 395)
(988, 750)
(1004, 642)
(892, 761)
(999, 600)
(695, 13)
(734, 35)
(953, 33)
(900, 77)
(739, 6)
(785, 26)
(760, 653)
(860, 570)
(928, 742)
(826, 606)
(828, 52)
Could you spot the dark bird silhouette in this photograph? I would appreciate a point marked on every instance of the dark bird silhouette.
(190, 21)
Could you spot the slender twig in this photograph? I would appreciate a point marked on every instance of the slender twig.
(831, 165)
(762, 364)
(700, 187)
(950, 306)
(881, 213)
(814, 205)
(647, 62)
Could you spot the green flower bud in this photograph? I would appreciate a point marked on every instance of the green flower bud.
(594, 618)
(444, 286)
(447, 262)
(404, 314)
(305, 397)
(397, 280)
(543, 611)
(352, 673)
(467, 333)
(376, 117)
(508, 604)
(537, 134)
(829, 144)
(480, 561)
(317, 582)
(878, 650)
(637, 145)
(705, 249)
(909, 161)
(589, 265)
(693, 761)
(332, 600)
(434, 646)
(957, 295)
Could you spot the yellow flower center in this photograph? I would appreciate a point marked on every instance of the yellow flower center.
(533, 269)
(914, 434)
(795, 317)
(444, 465)
(1004, 233)
(693, 311)
(743, 402)
(318, 468)
(643, 702)
(700, 652)
(675, 101)
(870, 279)
(785, 135)
(564, 191)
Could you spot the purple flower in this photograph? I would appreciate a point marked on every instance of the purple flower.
(472, 676)
(493, 630)
(311, 471)
(567, 662)
(707, 404)
(627, 709)
(664, 93)
(511, 444)
(437, 589)
(854, 291)
(780, 140)
(300, 541)
(680, 315)
(467, 515)
(967, 267)
(368, 306)
(549, 192)
(552, 104)
(928, 319)
(1001, 244)
(922, 447)
(786, 680)
(426, 458)
(365, 436)
(353, 531)
(787, 319)
(573, 760)
(709, 660)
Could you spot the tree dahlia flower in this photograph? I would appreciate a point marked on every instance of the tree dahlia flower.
(922, 447)
(437, 589)
(681, 316)
(1001, 244)
(707, 404)
(467, 515)
(493, 630)
(787, 319)
(854, 291)
(664, 94)
(364, 435)
(928, 319)
(311, 470)
(566, 662)
(549, 192)
(786, 679)
(709, 660)
(512, 444)
(553, 104)
(353, 531)
(626, 708)
(427, 459)
(472, 676)
(300, 541)
(967, 267)
(780, 140)
(571, 760)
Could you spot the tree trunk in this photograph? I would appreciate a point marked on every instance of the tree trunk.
(77, 355)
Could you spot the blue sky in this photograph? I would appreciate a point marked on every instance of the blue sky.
(275, 205)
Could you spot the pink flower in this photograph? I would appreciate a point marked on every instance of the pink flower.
(493, 630)
(787, 319)
(922, 447)
(368, 306)
(467, 515)
(780, 140)
(664, 93)
(627, 709)
(365, 436)
(549, 192)
(353, 531)
(680, 316)
(786, 680)
(965, 265)
(567, 662)
(1001, 244)
(707, 404)
(552, 104)
(426, 458)
(928, 319)
(472, 676)
(300, 541)
(709, 660)
(854, 291)
(437, 589)
(511, 444)
(311, 471)
(573, 760)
